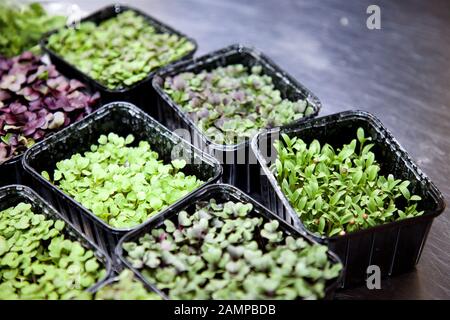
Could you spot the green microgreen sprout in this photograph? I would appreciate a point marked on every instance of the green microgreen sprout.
(126, 287)
(335, 192)
(121, 184)
(230, 104)
(120, 51)
(23, 25)
(37, 261)
(223, 251)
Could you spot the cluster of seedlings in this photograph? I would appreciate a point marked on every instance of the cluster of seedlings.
(35, 101)
(335, 192)
(230, 104)
(225, 251)
(120, 51)
(121, 184)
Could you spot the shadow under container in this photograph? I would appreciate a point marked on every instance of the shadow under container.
(221, 193)
(140, 93)
(12, 195)
(239, 163)
(121, 118)
(394, 247)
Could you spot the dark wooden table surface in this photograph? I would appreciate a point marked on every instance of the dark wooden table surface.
(400, 73)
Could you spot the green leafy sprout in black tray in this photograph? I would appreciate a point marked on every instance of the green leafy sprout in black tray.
(335, 192)
(37, 261)
(126, 287)
(231, 103)
(22, 25)
(120, 51)
(222, 251)
(121, 184)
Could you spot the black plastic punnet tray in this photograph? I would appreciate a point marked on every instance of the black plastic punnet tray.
(14, 194)
(11, 171)
(239, 163)
(222, 193)
(139, 93)
(394, 247)
(122, 118)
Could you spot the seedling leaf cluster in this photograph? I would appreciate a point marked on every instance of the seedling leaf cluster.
(23, 25)
(126, 287)
(222, 251)
(37, 261)
(336, 192)
(35, 101)
(230, 104)
(119, 51)
(121, 184)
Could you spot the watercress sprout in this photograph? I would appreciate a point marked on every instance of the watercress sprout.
(37, 260)
(119, 51)
(121, 184)
(126, 287)
(23, 25)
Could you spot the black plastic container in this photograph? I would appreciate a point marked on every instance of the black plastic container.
(394, 247)
(222, 193)
(11, 172)
(239, 162)
(122, 118)
(15, 194)
(139, 93)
